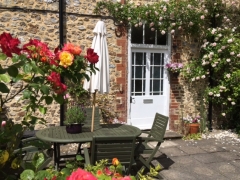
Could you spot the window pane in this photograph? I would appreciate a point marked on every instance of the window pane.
(161, 39)
(138, 85)
(156, 72)
(140, 59)
(139, 72)
(137, 35)
(149, 35)
(156, 85)
(155, 58)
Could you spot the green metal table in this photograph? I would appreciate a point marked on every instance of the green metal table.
(58, 135)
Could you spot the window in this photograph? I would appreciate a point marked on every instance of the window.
(144, 35)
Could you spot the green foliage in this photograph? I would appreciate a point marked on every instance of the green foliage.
(197, 136)
(75, 113)
(163, 15)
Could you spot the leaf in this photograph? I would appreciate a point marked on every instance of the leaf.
(45, 89)
(42, 109)
(5, 78)
(26, 94)
(17, 58)
(3, 88)
(48, 100)
(27, 68)
(87, 77)
(33, 120)
(17, 78)
(79, 158)
(66, 171)
(2, 71)
(38, 159)
(69, 166)
(38, 79)
(27, 175)
(34, 85)
(12, 71)
(3, 56)
(59, 99)
(43, 174)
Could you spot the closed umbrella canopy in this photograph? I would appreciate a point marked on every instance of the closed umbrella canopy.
(99, 82)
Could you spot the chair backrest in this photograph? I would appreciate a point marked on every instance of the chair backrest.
(159, 126)
(113, 147)
(88, 121)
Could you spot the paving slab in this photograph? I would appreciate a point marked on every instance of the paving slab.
(226, 156)
(178, 174)
(207, 158)
(235, 163)
(169, 143)
(173, 151)
(191, 150)
(212, 148)
(183, 162)
(226, 169)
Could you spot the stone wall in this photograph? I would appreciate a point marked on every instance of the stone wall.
(39, 19)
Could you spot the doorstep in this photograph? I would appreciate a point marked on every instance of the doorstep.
(172, 135)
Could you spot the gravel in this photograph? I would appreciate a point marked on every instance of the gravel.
(222, 135)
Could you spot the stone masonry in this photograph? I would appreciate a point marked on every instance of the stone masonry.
(39, 19)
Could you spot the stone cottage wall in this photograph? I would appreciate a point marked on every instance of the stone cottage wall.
(27, 19)
(40, 20)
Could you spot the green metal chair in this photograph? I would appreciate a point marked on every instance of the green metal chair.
(156, 134)
(104, 147)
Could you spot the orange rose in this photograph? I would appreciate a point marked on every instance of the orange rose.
(72, 49)
(99, 172)
(115, 162)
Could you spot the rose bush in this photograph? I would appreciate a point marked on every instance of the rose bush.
(75, 170)
(37, 72)
(39, 69)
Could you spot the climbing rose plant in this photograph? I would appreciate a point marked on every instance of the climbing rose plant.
(214, 24)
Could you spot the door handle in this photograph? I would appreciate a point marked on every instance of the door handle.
(132, 100)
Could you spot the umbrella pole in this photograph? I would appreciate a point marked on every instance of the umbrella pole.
(93, 111)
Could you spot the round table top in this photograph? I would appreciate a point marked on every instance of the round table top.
(58, 134)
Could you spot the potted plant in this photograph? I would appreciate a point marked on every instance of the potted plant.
(74, 118)
(193, 124)
(174, 68)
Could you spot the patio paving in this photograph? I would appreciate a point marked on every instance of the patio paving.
(206, 159)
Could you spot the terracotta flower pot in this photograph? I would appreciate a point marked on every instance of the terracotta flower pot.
(74, 128)
(194, 128)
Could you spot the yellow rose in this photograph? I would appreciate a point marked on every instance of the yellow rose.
(66, 59)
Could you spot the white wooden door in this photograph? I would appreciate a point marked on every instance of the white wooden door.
(149, 92)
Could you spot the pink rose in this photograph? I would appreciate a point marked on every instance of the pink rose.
(3, 123)
(80, 174)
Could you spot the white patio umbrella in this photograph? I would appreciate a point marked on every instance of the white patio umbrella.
(99, 82)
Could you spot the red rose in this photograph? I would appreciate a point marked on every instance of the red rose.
(55, 80)
(37, 49)
(9, 44)
(91, 56)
